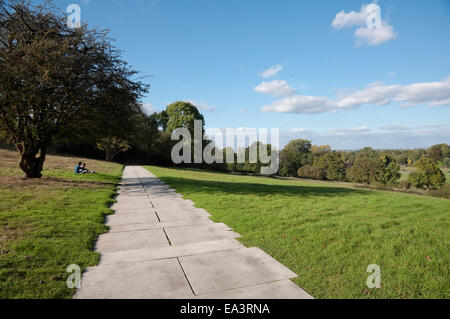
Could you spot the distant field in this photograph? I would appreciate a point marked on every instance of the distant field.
(328, 233)
(48, 224)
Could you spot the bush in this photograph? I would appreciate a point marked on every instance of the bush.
(446, 162)
(389, 175)
(311, 172)
(428, 175)
(365, 170)
(405, 184)
(415, 179)
(332, 165)
(443, 192)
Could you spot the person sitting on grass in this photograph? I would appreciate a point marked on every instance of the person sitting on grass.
(79, 169)
(86, 169)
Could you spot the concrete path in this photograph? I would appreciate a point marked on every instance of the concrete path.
(161, 246)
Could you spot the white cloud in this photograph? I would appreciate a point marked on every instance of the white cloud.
(353, 18)
(276, 88)
(243, 110)
(430, 93)
(299, 131)
(395, 128)
(272, 71)
(372, 35)
(301, 104)
(149, 108)
(202, 106)
(377, 35)
(353, 130)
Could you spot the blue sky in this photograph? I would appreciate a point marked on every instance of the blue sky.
(337, 83)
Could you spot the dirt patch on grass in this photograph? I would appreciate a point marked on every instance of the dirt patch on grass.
(15, 182)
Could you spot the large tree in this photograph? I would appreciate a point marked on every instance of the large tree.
(295, 154)
(56, 80)
(181, 115)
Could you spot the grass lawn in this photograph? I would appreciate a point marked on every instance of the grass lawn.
(328, 233)
(48, 224)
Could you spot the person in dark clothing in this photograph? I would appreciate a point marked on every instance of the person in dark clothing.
(86, 169)
(79, 169)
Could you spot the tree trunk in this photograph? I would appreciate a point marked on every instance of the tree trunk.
(31, 164)
(110, 156)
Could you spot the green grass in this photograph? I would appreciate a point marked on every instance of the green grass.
(328, 233)
(48, 224)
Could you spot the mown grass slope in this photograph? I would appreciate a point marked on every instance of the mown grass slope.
(329, 233)
(48, 224)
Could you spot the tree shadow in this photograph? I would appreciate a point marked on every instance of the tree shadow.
(259, 189)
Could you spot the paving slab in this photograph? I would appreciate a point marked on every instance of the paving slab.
(122, 223)
(159, 279)
(167, 215)
(126, 199)
(171, 252)
(222, 271)
(197, 233)
(141, 216)
(171, 203)
(113, 242)
(283, 289)
(131, 206)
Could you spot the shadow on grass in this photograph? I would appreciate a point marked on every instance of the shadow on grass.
(257, 188)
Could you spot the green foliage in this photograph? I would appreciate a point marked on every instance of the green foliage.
(332, 165)
(365, 170)
(435, 153)
(428, 175)
(446, 162)
(295, 155)
(181, 115)
(311, 172)
(112, 146)
(389, 173)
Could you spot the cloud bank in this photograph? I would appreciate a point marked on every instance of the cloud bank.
(431, 94)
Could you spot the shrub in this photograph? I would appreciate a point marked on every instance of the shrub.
(446, 162)
(311, 172)
(389, 175)
(365, 170)
(332, 165)
(405, 184)
(428, 175)
(443, 192)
